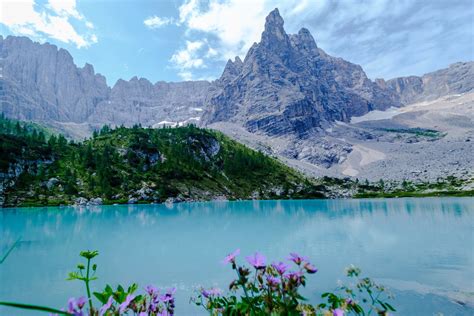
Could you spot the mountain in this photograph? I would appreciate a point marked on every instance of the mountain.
(41, 82)
(457, 78)
(287, 98)
(287, 85)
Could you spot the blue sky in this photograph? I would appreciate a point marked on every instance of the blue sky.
(176, 40)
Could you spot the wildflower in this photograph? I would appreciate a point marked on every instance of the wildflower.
(338, 312)
(257, 260)
(74, 306)
(151, 290)
(143, 314)
(81, 301)
(106, 306)
(168, 296)
(127, 302)
(211, 292)
(231, 257)
(272, 281)
(296, 277)
(296, 258)
(280, 267)
(310, 268)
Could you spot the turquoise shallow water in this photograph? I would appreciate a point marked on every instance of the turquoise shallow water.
(421, 248)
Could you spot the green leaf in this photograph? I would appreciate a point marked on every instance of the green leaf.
(89, 254)
(101, 297)
(34, 307)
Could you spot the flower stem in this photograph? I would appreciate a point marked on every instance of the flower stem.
(87, 285)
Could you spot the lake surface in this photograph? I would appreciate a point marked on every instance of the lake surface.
(421, 248)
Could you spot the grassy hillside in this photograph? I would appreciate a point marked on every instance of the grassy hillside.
(140, 165)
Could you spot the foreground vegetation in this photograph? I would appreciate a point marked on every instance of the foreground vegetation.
(258, 289)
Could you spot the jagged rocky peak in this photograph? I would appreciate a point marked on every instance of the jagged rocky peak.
(232, 69)
(288, 86)
(304, 41)
(274, 35)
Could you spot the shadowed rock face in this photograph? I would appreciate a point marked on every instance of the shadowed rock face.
(287, 85)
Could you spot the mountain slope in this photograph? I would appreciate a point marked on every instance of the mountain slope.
(137, 164)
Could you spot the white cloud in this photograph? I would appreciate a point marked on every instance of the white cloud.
(89, 25)
(25, 17)
(65, 8)
(235, 23)
(155, 22)
(188, 58)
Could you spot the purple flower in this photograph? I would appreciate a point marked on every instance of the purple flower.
(81, 301)
(74, 306)
(106, 306)
(231, 257)
(127, 302)
(257, 260)
(211, 292)
(295, 276)
(168, 295)
(296, 258)
(280, 267)
(143, 314)
(338, 312)
(151, 290)
(71, 305)
(310, 268)
(272, 281)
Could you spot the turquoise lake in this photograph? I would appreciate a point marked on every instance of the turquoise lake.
(422, 249)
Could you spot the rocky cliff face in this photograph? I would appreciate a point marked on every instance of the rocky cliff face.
(140, 101)
(457, 78)
(41, 82)
(287, 85)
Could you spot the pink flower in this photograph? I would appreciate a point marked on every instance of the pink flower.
(338, 312)
(231, 257)
(310, 268)
(280, 267)
(257, 260)
(296, 258)
(272, 281)
(211, 292)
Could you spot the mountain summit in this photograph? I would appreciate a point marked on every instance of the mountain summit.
(287, 85)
